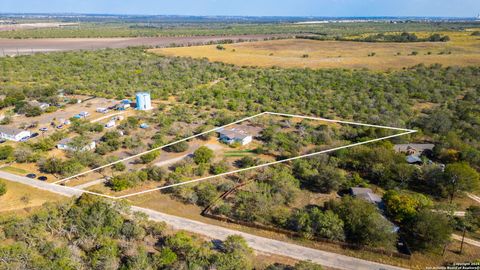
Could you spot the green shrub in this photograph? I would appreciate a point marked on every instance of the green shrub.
(3, 188)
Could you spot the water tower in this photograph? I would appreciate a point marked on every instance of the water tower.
(144, 102)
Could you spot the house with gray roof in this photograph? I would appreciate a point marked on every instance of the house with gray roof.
(66, 144)
(365, 194)
(13, 134)
(235, 135)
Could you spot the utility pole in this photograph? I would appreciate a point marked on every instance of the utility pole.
(454, 182)
(463, 238)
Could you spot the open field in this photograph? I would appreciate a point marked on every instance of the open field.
(462, 50)
(30, 46)
(20, 197)
(28, 26)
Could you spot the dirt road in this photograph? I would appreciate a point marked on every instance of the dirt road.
(28, 46)
(467, 240)
(474, 197)
(262, 244)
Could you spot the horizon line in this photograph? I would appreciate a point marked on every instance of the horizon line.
(244, 16)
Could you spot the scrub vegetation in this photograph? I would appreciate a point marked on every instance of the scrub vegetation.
(302, 197)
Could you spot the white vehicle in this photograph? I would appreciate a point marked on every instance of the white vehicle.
(110, 124)
(84, 114)
(102, 110)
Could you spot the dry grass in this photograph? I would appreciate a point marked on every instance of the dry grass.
(20, 198)
(464, 49)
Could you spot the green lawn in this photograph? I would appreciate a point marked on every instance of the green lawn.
(238, 153)
(14, 170)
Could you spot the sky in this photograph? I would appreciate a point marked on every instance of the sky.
(331, 8)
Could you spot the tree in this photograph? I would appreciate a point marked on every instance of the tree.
(156, 173)
(120, 166)
(246, 162)
(177, 147)
(472, 215)
(119, 183)
(51, 165)
(328, 225)
(70, 167)
(23, 154)
(306, 265)
(364, 225)
(429, 231)
(79, 143)
(3, 188)
(315, 222)
(203, 155)
(327, 179)
(403, 207)
(206, 193)
(105, 256)
(149, 157)
(32, 111)
(6, 152)
(220, 167)
(460, 177)
(236, 254)
(166, 257)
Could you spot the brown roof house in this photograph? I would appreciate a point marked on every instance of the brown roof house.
(414, 151)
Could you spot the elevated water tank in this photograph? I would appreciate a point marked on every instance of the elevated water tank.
(143, 101)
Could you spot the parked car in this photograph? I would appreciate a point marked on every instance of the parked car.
(24, 139)
(59, 126)
(2, 140)
(34, 135)
(43, 129)
(31, 175)
(42, 178)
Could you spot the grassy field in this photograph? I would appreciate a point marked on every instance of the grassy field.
(14, 170)
(159, 27)
(462, 50)
(20, 198)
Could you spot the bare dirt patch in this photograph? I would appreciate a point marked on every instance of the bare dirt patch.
(24, 26)
(30, 46)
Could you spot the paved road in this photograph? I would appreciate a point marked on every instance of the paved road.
(267, 245)
(65, 191)
(91, 183)
(262, 244)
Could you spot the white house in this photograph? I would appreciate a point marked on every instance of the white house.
(235, 135)
(65, 145)
(42, 105)
(13, 134)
